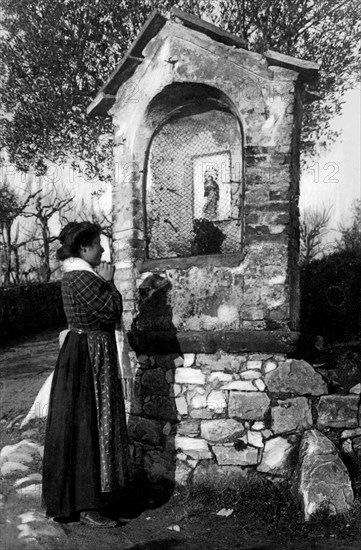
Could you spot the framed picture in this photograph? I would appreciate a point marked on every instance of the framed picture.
(212, 189)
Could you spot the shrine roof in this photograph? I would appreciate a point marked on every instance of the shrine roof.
(134, 57)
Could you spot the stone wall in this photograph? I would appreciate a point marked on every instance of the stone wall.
(203, 417)
(261, 292)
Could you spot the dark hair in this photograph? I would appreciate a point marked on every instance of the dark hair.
(74, 235)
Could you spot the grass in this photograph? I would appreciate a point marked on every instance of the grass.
(272, 507)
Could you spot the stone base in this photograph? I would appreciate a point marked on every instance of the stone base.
(218, 417)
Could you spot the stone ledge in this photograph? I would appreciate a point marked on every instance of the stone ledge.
(212, 260)
(240, 341)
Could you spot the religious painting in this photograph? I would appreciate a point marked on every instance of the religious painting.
(211, 184)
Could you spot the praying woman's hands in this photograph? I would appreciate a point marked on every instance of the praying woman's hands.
(106, 270)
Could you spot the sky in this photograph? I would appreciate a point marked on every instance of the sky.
(334, 179)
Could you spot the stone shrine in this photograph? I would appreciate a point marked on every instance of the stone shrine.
(206, 239)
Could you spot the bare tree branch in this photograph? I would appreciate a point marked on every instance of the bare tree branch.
(313, 225)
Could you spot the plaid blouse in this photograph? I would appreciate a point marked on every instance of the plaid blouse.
(90, 303)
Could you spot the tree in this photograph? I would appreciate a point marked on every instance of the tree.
(47, 205)
(313, 225)
(350, 240)
(11, 207)
(59, 53)
(325, 31)
(19, 264)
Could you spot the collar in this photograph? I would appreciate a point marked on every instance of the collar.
(78, 264)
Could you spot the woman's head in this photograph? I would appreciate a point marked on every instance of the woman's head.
(81, 240)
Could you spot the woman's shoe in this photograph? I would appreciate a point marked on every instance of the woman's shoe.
(94, 518)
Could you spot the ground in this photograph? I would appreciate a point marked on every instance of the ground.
(264, 517)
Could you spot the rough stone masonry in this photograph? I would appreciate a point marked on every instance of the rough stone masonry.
(216, 392)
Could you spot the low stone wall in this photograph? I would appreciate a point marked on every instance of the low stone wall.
(27, 308)
(204, 417)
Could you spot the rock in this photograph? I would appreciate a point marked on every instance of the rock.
(270, 366)
(28, 434)
(227, 455)
(9, 468)
(224, 362)
(24, 451)
(275, 457)
(22, 457)
(198, 401)
(291, 415)
(178, 362)
(220, 376)
(161, 407)
(321, 479)
(30, 477)
(193, 447)
(240, 385)
(356, 446)
(35, 526)
(257, 426)
(254, 365)
(209, 474)
(255, 439)
(181, 405)
(260, 385)
(216, 402)
(250, 374)
(182, 472)
(175, 528)
(338, 411)
(155, 383)
(248, 406)
(189, 428)
(159, 466)
(222, 430)
(30, 491)
(356, 389)
(350, 433)
(169, 376)
(145, 430)
(185, 375)
(201, 413)
(297, 377)
(188, 359)
(259, 357)
(167, 428)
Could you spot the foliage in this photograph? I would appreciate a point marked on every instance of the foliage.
(60, 52)
(9, 204)
(350, 240)
(208, 238)
(327, 32)
(331, 297)
(313, 225)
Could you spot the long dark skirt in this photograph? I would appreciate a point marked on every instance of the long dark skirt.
(71, 465)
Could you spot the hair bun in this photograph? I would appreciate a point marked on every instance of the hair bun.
(74, 235)
(66, 231)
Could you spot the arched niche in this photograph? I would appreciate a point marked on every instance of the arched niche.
(193, 183)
